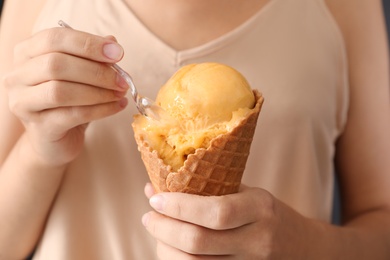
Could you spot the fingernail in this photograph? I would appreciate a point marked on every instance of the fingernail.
(121, 82)
(113, 51)
(145, 219)
(123, 102)
(157, 202)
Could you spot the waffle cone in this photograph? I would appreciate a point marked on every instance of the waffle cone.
(216, 170)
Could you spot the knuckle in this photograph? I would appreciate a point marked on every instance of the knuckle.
(55, 64)
(13, 101)
(100, 72)
(14, 105)
(52, 38)
(7, 81)
(83, 114)
(103, 96)
(223, 212)
(84, 44)
(176, 208)
(54, 93)
(194, 240)
(18, 108)
(264, 244)
(88, 45)
(266, 203)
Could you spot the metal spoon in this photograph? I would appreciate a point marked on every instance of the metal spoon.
(145, 106)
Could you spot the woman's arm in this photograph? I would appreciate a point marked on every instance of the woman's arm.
(53, 108)
(363, 151)
(22, 216)
(17, 20)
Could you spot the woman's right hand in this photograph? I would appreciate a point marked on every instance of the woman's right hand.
(60, 82)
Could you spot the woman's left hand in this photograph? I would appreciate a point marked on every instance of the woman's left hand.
(251, 224)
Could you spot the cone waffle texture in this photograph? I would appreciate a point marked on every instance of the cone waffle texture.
(216, 170)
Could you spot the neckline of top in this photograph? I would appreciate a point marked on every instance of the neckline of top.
(180, 56)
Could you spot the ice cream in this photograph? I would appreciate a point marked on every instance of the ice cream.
(203, 101)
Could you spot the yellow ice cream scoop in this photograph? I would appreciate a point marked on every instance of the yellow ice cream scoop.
(207, 92)
(202, 101)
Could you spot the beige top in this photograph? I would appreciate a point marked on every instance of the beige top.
(291, 50)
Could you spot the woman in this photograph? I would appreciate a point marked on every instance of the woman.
(71, 178)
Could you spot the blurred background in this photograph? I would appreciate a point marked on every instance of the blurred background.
(386, 4)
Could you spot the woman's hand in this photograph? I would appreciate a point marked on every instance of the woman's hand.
(251, 224)
(61, 81)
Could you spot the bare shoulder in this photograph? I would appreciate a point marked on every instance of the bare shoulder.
(363, 26)
(359, 18)
(17, 20)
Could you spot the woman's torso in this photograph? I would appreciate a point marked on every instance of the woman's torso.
(291, 50)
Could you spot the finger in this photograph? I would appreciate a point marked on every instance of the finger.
(59, 66)
(54, 94)
(190, 238)
(215, 212)
(69, 41)
(111, 37)
(167, 252)
(149, 190)
(65, 118)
